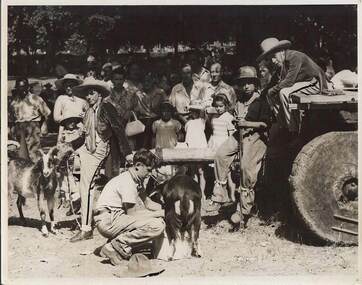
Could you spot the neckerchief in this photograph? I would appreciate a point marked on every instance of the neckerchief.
(90, 127)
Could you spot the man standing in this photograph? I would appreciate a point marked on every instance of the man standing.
(28, 111)
(117, 216)
(200, 73)
(124, 102)
(101, 122)
(298, 74)
(217, 86)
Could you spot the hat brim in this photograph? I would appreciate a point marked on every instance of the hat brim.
(238, 79)
(81, 90)
(155, 270)
(60, 82)
(283, 44)
(69, 120)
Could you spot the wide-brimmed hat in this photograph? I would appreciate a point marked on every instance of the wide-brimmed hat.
(66, 123)
(272, 45)
(106, 65)
(91, 83)
(140, 266)
(68, 77)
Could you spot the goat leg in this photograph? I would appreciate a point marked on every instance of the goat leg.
(195, 230)
(41, 207)
(50, 202)
(20, 202)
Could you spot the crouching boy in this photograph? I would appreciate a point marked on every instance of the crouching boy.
(117, 218)
(254, 109)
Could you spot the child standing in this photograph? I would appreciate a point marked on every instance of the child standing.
(195, 138)
(166, 128)
(253, 108)
(222, 127)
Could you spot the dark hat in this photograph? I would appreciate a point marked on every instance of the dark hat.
(167, 105)
(68, 121)
(272, 45)
(140, 266)
(91, 83)
(48, 85)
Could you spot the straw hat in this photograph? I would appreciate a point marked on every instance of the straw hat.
(246, 72)
(140, 266)
(91, 83)
(68, 77)
(272, 45)
(107, 65)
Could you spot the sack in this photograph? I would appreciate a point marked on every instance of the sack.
(134, 127)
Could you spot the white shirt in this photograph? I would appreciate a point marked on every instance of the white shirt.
(119, 190)
(69, 106)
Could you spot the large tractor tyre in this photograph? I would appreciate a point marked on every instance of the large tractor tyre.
(324, 187)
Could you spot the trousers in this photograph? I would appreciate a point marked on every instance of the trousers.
(126, 231)
(254, 149)
(280, 105)
(90, 164)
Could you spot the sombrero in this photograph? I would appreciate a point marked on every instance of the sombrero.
(66, 123)
(140, 266)
(70, 77)
(91, 83)
(272, 45)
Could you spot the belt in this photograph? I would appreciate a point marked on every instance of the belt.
(101, 211)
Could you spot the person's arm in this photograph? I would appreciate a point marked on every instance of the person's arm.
(43, 108)
(295, 64)
(117, 128)
(57, 112)
(131, 210)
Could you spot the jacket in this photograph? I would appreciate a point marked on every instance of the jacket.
(298, 67)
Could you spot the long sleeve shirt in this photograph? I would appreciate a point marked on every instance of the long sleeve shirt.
(298, 67)
(67, 106)
(109, 124)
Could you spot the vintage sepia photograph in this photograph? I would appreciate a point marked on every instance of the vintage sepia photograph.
(179, 141)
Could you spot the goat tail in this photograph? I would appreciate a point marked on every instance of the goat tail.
(184, 207)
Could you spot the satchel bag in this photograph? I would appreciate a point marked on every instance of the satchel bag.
(134, 127)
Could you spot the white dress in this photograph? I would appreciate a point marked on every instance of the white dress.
(195, 133)
(222, 128)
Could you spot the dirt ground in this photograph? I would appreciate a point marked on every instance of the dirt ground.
(259, 250)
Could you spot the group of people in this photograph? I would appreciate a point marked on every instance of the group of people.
(200, 111)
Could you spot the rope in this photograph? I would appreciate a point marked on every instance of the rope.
(69, 192)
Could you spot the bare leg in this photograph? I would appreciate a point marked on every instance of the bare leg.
(232, 186)
(202, 181)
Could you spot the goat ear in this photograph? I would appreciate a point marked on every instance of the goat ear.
(54, 151)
